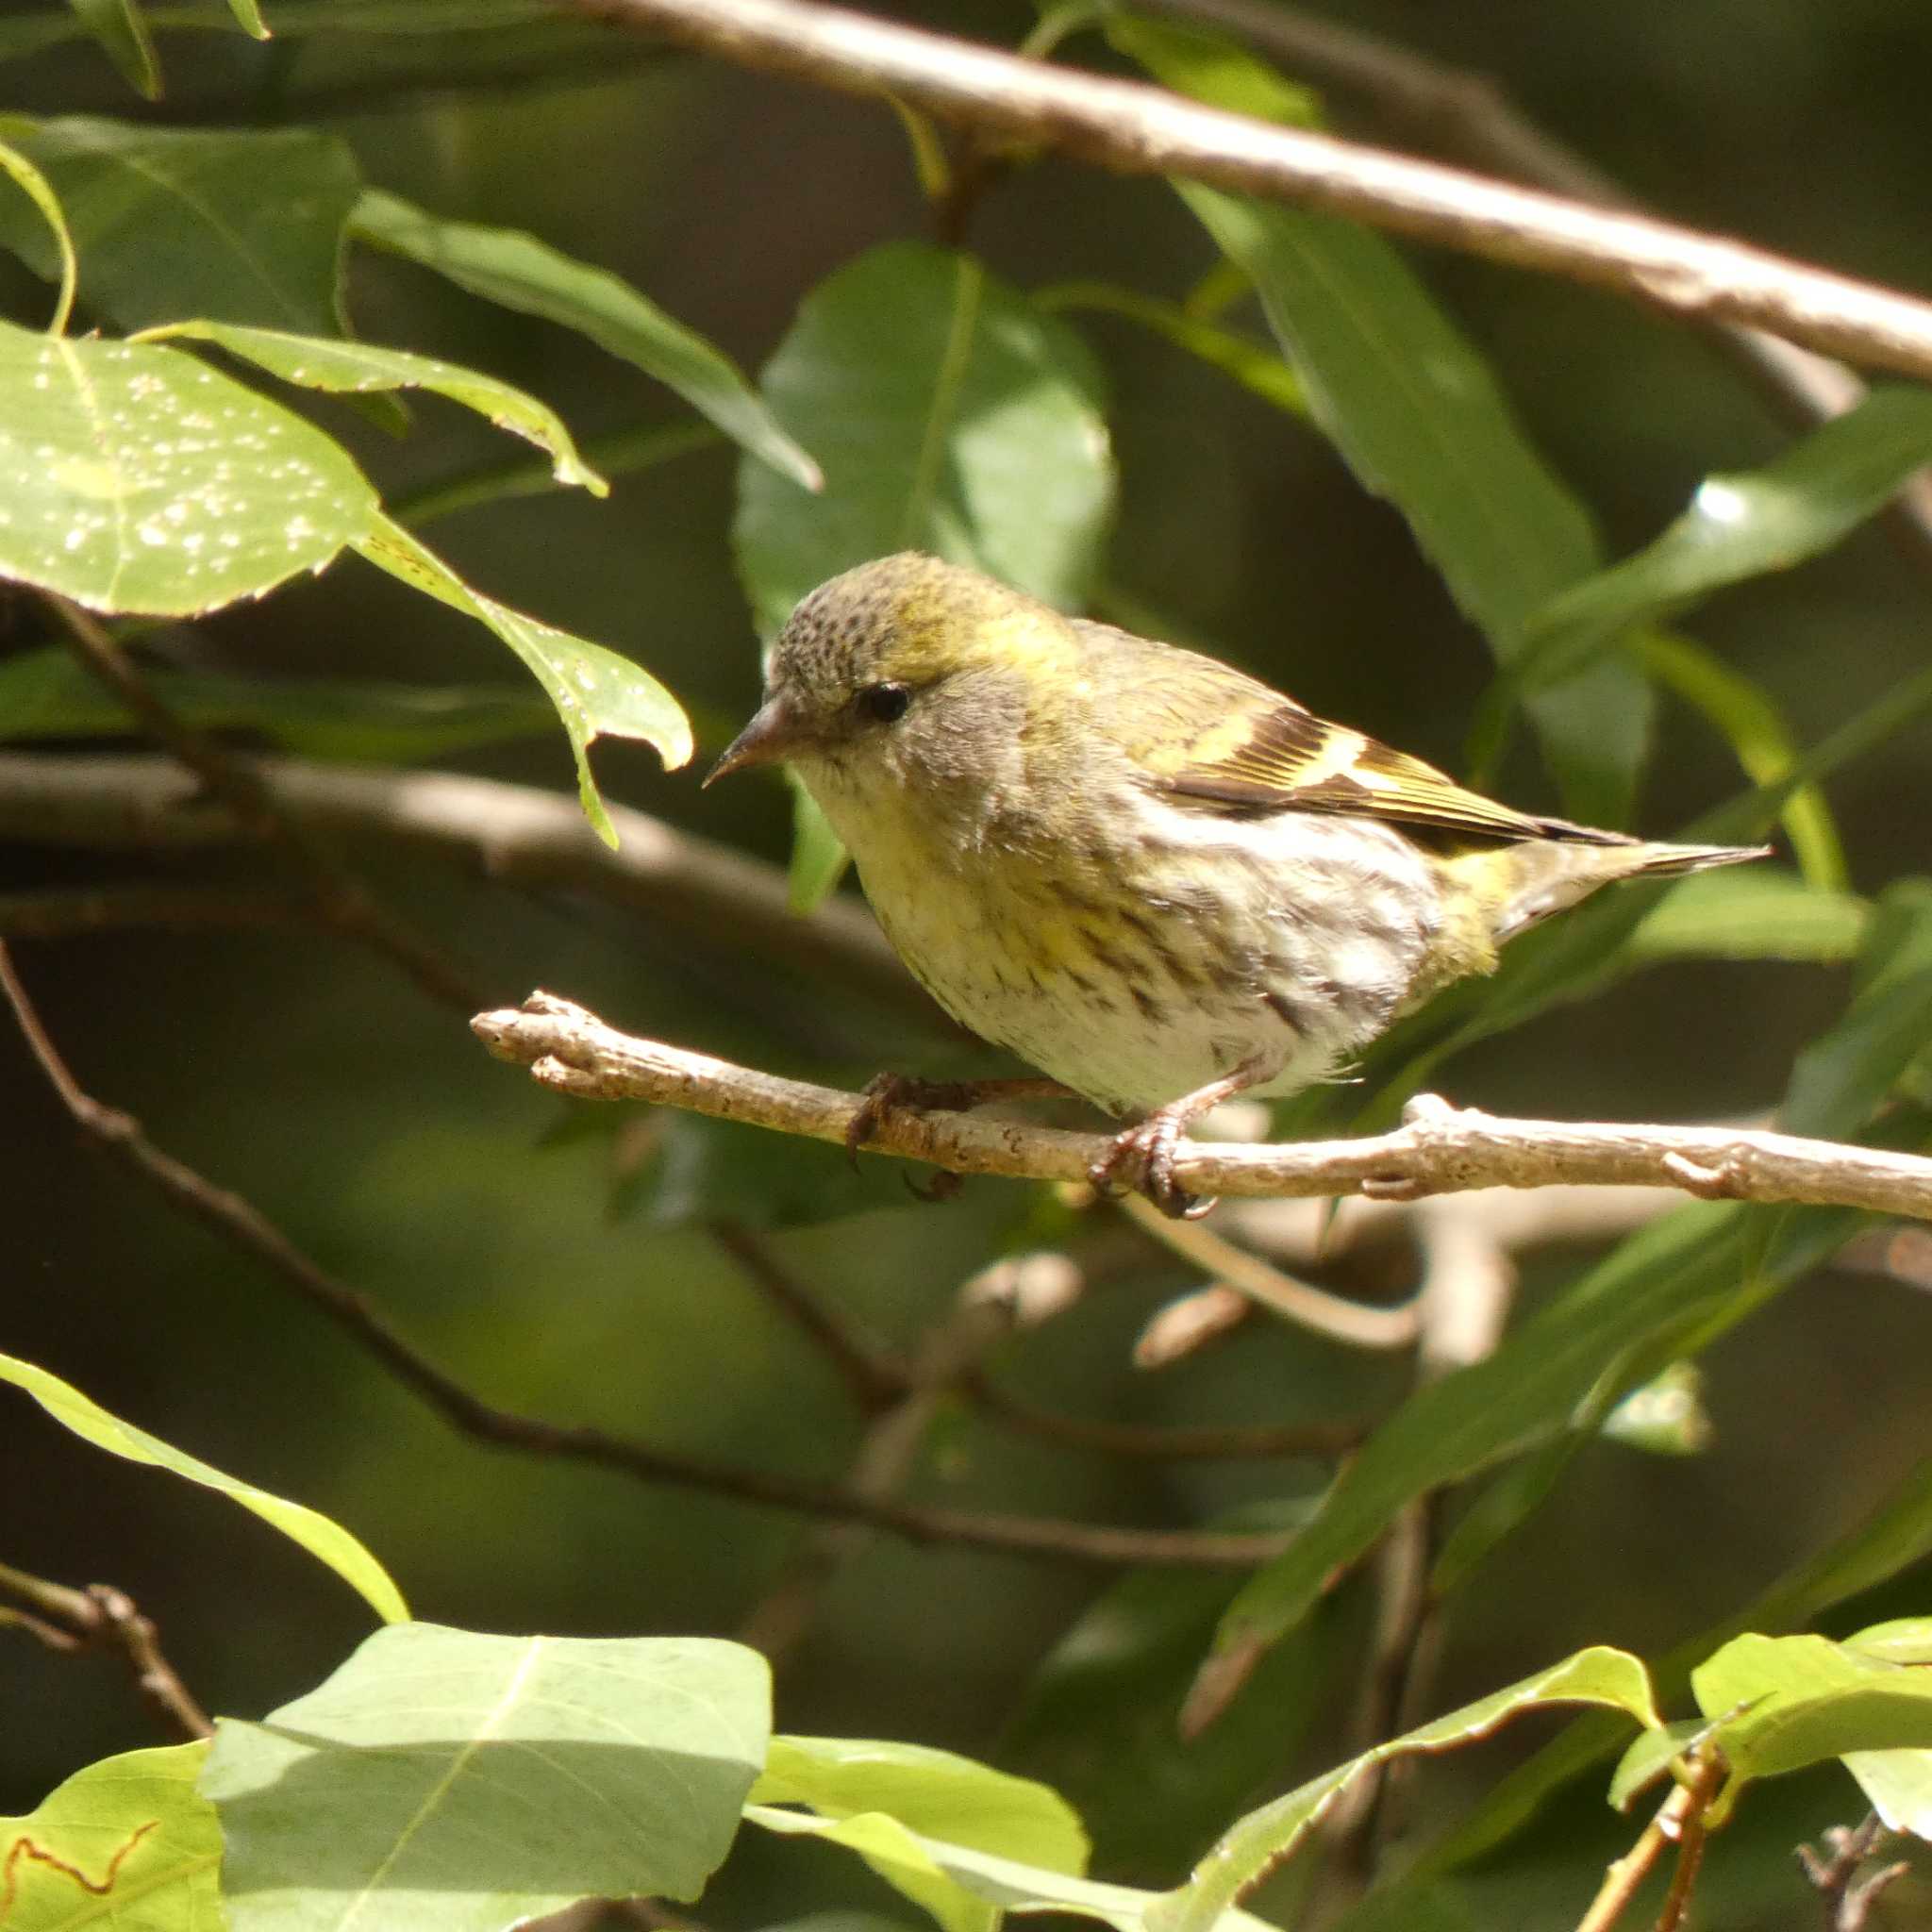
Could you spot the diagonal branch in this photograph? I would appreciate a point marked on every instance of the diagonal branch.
(1136, 129)
(1439, 1149)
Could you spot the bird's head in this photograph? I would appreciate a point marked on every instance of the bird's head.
(904, 673)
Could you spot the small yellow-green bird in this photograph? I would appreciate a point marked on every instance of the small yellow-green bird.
(1146, 874)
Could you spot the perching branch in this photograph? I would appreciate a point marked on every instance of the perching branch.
(1439, 1149)
(244, 1225)
(1135, 129)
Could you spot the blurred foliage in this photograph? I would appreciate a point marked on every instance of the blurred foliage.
(1426, 495)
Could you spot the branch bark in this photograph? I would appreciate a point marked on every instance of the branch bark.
(1439, 1149)
(1136, 129)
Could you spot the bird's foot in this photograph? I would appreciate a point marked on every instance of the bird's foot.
(1141, 1158)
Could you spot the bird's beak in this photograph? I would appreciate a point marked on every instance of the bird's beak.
(774, 733)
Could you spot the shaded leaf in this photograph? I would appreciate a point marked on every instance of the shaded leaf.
(1650, 1757)
(1751, 912)
(135, 478)
(329, 1542)
(1740, 525)
(1252, 1844)
(1839, 1078)
(64, 266)
(357, 368)
(1418, 416)
(595, 691)
(238, 225)
(121, 29)
(448, 1781)
(949, 414)
(46, 694)
(127, 1842)
(517, 271)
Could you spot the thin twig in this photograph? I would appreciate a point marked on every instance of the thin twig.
(1142, 130)
(1848, 1899)
(102, 1617)
(516, 835)
(1676, 1820)
(238, 1221)
(338, 895)
(1439, 1149)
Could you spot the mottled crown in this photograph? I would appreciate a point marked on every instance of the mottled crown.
(912, 619)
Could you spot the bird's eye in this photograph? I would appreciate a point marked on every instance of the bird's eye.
(886, 702)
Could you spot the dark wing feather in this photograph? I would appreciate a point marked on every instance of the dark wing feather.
(1208, 735)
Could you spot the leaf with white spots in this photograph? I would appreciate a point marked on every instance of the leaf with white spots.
(134, 478)
(596, 692)
(445, 1781)
(358, 369)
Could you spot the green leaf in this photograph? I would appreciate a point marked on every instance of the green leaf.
(1741, 525)
(1899, 1785)
(818, 859)
(1418, 416)
(356, 368)
(1757, 732)
(120, 29)
(38, 190)
(240, 226)
(329, 1542)
(935, 1793)
(1896, 1535)
(1611, 1678)
(126, 1843)
(248, 18)
(444, 1781)
(1839, 1078)
(47, 694)
(517, 271)
(1751, 912)
(1257, 370)
(966, 1889)
(1651, 1756)
(950, 415)
(596, 692)
(1787, 1702)
(1666, 1416)
(134, 478)
(1903, 1640)
(1666, 1291)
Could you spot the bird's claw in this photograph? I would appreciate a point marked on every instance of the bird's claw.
(1142, 1158)
(885, 1092)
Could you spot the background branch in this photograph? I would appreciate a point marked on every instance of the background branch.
(1440, 1149)
(1136, 129)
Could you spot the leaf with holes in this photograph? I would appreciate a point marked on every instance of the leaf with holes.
(446, 1781)
(134, 478)
(360, 369)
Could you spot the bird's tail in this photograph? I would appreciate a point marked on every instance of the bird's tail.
(1530, 881)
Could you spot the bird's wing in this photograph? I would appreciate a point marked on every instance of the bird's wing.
(1208, 735)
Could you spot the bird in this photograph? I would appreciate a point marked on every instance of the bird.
(1146, 874)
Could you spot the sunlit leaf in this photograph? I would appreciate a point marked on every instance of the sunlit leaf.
(121, 28)
(1611, 1678)
(1751, 912)
(1649, 1758)
(1785, 1702)
(46, 694)
(135, 478)
(240, 225)
(1666, 1416)
(446, 1781)
(126, 1844)
(65, 265)
(1419, 417)
(359, 368)
(1740, 525)
(248, 18)
(517, 271)
(1902, 1641)
(596, 692)
(327, 1542)
(966, 1889)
